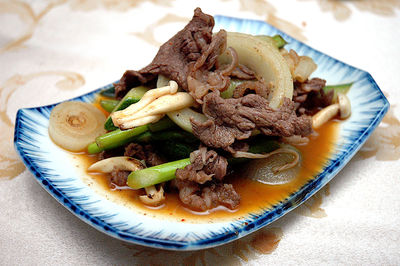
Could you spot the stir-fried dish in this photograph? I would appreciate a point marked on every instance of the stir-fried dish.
(208, 105)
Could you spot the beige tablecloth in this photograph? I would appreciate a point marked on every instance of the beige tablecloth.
(55, 50)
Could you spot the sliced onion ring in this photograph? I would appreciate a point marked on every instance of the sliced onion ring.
(263, 58)
(280, 167)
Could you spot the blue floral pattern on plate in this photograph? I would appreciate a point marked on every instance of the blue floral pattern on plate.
(47, 161)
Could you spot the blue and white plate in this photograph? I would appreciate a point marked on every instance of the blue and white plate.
(64, 182)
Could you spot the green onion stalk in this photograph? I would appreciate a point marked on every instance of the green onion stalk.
(118, 137)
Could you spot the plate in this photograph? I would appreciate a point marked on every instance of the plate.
(47, 161)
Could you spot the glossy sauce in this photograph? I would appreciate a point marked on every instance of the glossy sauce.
(254, 195)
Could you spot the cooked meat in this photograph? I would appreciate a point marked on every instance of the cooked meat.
(315, 84)
(136, 151)
(244, 88)
(235, 119)
(203, 167)
(145, 153)
(202, 198)
(206, 74)
(243, 72)
(152, 158)
(310, 97)
(174, 56)
(110, 153)
(119, 177)
(240, 146)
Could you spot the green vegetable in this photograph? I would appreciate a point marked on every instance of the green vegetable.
(110, 92)
(262, 144)
(162, 124)
(93, 148)
(340, 88)
(173, 144)
(179, 135)
(279, 41)
(228, 93)
(144, 137)
(175, 135)
(156, 174)
(165, 172)
(175, 149)
(119, 137)
(182, 118)
(276, 40)
(109, 105)
(133, 96)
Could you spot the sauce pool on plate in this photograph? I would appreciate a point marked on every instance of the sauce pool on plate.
(255, 196)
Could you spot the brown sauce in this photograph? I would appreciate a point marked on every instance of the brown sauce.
(254, 195)
(265, 242)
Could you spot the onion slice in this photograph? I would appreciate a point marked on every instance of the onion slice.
(278, 167)
(74, 125)
(182, 118)
(263, 58)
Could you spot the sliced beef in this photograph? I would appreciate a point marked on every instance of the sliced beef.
(310, 97)
(240, 145)
(136, 151)
(202, 198)
(235, 119)
(110, 153)
(258, 87)
(174, 56)
(314, 84)
(199, 183)
(119, 177)
(206, 74)
(152, 158)
(145, 153)
(204, 165)
(243, 72)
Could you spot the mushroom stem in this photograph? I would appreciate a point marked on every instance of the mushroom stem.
(153, 196)
(121, 163)
(325, 115)
(342, 108)
(152, 107)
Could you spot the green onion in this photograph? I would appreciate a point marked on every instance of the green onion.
(339, 88)
(109, 105)
(93, 148)
(115, 139)
(228, 93)
(110, 92)
(279, 41)
(156, 174)
(276, 40)
(162, 124)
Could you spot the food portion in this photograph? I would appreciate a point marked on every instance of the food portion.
(74, 125)
(208, 106)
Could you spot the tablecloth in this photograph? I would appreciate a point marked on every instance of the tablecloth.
(55, 50)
